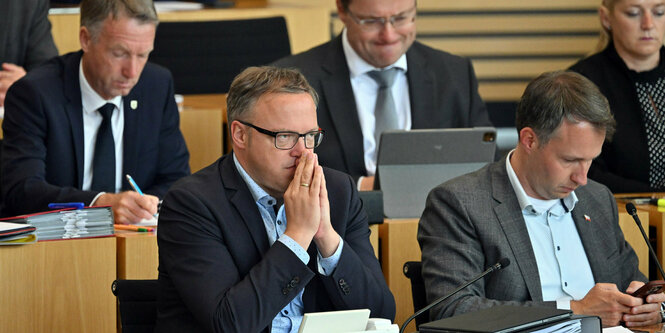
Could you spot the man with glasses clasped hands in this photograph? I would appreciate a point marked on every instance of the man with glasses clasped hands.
(265, 234)
(374, 77)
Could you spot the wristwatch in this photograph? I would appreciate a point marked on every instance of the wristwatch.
(662, 312)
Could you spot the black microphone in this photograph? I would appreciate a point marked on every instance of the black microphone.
(630, 208)
(503, 263)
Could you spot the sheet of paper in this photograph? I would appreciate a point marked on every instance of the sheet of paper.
(616, 329)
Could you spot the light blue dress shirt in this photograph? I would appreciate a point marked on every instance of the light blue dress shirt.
(289, 319)
(565, 273)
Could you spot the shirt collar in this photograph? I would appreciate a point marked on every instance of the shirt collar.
(90, 99)
(524, 200)
(259, 194)
(358, 66)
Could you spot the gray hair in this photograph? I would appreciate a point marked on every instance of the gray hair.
(554, 97)
(255, 82)
(94, 12)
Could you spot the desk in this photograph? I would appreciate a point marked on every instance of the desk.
(656, 218)
(58, 286)
(399, 244)
(138, 254)
(307, 26)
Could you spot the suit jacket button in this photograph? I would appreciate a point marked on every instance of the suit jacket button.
(285, 291)
(296, 279)
(342, 282)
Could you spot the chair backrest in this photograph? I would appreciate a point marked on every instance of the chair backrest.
(205, 56)
(412, 270)
(137, 301)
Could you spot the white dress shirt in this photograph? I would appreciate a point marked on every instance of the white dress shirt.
(563, 267)
(365, 91)
(91, 101)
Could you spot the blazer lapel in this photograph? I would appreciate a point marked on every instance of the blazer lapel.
(131, 107)
(510, 217)
(421, 90)
(342, 105)
(241, 198)
(594, 236)
(74, 109)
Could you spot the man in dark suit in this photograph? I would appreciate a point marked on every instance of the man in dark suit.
(25, 39)
(74, 127)
(537, 208)
(431, 88)
(265, 234)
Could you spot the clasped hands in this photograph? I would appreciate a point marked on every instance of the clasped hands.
(307, 207)
(613, 306)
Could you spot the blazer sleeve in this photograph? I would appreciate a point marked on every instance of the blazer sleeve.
(453, 254)
(173, 157)
(197, 257)
(357, 282)
(24, 151)
(40, 45)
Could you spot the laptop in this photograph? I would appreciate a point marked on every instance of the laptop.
(498, 319)
(411, 163)
(335, 321)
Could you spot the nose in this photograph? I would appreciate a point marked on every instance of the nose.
(388, 31)
(647, 21)
(579, 175)
(131, 68)
(299, 148)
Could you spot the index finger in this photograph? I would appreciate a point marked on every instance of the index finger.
(628, 300)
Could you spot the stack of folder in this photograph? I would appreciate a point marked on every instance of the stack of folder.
(69, 223)
(16, 233)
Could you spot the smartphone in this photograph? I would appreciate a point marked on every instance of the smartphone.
(651, 287)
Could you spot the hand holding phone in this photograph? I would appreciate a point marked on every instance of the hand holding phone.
(651, 287)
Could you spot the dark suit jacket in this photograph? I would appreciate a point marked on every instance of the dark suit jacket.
(42, 156)
(217, 272)
(471, 222)
(442, 88)
(623, 165)
(25, 33)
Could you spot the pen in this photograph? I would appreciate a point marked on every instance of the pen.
(658, 202)
(138, 190)
(134, 185)
(133, 227)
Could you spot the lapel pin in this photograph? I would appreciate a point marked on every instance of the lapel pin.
(587, 218)
(133, 104)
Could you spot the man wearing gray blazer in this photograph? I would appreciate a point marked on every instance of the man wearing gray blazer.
(537, 208)
(431, 88)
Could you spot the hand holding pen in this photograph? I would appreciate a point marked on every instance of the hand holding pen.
(130, 206)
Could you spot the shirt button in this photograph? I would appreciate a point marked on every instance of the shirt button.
(565, 284)
(286, 312)
(558, 248)
(279, 222)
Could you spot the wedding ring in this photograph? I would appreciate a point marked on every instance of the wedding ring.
(304, 185)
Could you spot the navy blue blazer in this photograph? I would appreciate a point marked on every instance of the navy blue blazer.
(443, 93)
(42, 155)
(218, 273)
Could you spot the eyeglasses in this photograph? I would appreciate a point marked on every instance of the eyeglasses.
(287, 140)
(377, 23)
